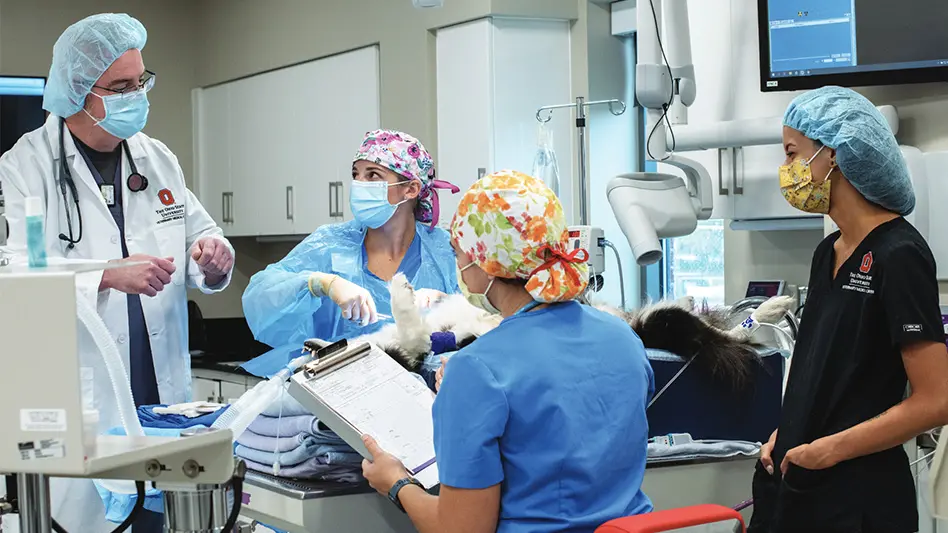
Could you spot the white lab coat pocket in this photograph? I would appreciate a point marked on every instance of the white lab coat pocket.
(172, 242)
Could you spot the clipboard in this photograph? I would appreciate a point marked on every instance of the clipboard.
(358, 390)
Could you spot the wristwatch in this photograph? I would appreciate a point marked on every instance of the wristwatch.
(399, 485)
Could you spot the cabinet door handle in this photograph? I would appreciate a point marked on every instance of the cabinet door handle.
(289, 202)
(339, 189)
(335, 192)
(738, 178)
(722, 190)
(226, 207)
(230, 207)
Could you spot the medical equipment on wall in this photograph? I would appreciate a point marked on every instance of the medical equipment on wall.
(593, 240)
(50, 431)
(135, 182)
(545, 167)
(652, 205)
(767, 289)
(616, 107)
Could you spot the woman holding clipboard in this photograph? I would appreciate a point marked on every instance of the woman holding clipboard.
(530, 433)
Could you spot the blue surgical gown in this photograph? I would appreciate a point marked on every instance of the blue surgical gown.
(283, 313)
(551, 405)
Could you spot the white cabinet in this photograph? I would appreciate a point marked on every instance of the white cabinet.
(492, 76)
(203, 389)
(212, 152)
(752, 175)
(218, 386)
(231, 390)
(937, 167)
(274, 150)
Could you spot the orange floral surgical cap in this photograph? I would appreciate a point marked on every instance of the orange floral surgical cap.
(512, 226)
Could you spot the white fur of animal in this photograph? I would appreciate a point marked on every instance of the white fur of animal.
(673, 326)
(408, 340)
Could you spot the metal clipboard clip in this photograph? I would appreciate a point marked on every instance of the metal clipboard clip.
(329, 358)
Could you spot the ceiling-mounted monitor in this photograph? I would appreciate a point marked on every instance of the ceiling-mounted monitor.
(805, 44)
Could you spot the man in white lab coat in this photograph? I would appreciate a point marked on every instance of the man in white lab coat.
(111, 192)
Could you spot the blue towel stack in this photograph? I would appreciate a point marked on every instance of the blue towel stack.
(150, 419)
(305, 449)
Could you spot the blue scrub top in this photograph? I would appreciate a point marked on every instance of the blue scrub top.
(409, 265)
(282, 312)
(551, 405)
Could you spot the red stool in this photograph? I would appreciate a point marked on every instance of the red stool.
(673, 519)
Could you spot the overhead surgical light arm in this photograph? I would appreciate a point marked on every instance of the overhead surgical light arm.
(651, 206)
(665, 85)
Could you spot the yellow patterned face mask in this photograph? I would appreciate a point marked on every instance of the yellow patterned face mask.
(796, 184)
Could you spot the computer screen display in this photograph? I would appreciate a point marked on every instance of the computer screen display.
(21, 111)
(21, 108)
(806, 44)
(765, 288)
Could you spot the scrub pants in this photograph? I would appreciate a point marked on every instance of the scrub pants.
(149, 522)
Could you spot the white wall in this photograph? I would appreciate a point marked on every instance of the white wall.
(725, 54)
(242, 37)
(613, 141)
(28, 29)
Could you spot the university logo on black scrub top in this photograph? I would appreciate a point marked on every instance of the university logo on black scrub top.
(861, 281)
(866, 264)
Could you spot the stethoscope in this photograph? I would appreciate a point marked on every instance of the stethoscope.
(135, 183)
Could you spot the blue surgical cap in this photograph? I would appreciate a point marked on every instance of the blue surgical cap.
(866, 150)
(83, 53)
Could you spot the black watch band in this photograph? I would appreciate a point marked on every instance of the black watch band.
(398, 486)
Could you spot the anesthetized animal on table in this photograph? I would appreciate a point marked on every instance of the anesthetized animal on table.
(728, 354)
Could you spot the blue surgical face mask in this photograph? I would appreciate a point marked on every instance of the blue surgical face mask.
(368, 201)
(125, 114)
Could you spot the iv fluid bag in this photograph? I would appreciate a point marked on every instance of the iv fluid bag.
(544, 163)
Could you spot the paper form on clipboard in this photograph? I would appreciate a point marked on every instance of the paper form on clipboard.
(367, 392)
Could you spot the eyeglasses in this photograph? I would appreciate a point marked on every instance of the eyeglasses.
(146, 83)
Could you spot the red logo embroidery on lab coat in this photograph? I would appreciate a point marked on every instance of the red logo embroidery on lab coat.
(166, 197)
(866, 265)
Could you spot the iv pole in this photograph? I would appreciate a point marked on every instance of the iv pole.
(580, 106)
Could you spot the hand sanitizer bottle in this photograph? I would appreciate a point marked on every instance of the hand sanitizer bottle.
(35, 232)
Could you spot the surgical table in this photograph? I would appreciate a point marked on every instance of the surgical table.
(301, 506)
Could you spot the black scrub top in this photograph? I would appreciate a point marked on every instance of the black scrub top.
(846, 369)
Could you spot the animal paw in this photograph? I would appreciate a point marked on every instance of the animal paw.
(773, 310)
(401, 286)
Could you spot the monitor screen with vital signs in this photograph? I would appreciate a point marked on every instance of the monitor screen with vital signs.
(810, 43)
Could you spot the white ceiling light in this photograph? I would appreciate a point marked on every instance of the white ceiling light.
(427, 3)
